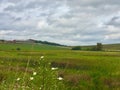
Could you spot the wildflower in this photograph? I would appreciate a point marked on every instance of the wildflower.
(40, 88)
(53, 68)
(18, 79)
(60, 78)
(31, 78)
(42, 57)
(34, 73)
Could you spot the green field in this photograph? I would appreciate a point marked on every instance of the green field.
(26, 69)
(106, 47)
(29, 47)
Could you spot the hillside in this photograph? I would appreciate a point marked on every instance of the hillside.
(111, 46)
(29, 47)
(30, 41)
(108, 47)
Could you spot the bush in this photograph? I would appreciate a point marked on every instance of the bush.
(76, 48)
(18, 49)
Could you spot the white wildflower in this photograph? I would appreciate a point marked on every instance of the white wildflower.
(40, 88)
(60, 78)
(42, 57)
(18, 79)
(54, 68)
(34, 73)
(31, 78)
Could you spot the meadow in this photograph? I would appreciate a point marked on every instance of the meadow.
(43, 67)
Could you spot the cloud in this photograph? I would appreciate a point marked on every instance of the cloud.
(69, 22)
(115, 21)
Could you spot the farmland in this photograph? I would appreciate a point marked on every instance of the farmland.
(34, 66)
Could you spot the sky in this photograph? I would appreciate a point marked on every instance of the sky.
(67, 22)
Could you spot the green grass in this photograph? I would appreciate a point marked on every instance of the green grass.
(107, 47)
(112, 47)
(29, 47)
(81, 70)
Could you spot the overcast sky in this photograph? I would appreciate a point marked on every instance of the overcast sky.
(69, 22)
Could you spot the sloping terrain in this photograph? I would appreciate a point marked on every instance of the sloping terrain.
(107, 47)
(29, 47)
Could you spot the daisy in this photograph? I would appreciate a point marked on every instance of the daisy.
(60, 78)
(34, 73)
(53, 68)
(18, 79)
(31, 78)
(42, 57)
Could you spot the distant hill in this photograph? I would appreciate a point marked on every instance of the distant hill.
(31, 41)
(29, 47)
(112, 47)
(107, 47)
(45, 45)
(49, 43)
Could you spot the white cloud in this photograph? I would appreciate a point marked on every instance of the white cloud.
(3, 32)
(70, 22)
(113, 36)
(42, 24)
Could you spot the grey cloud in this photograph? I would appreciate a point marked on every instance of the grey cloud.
(95, 3)
(115, 21)
(71, 22)
(12, 1)
(32, 4)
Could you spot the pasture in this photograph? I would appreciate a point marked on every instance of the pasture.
(43, 67)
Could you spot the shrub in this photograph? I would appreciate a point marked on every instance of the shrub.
(18, 49)
(76, 48)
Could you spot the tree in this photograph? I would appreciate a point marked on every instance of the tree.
(99, 47)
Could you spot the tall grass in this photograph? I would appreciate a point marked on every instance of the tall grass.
(59, 70)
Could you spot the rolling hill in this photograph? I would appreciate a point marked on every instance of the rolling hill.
(106, 47)
(36, 45)
(29, 47)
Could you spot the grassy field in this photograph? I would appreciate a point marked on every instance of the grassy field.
(28, 47)
(39, 67)
(106, 47)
